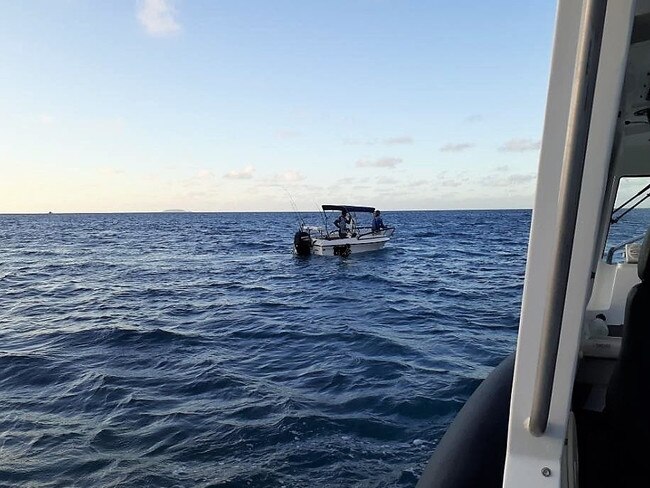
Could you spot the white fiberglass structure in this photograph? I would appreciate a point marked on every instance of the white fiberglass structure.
(572, 407)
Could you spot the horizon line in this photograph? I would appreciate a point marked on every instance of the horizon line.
(135, 212)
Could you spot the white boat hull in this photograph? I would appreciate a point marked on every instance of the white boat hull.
(347, 246)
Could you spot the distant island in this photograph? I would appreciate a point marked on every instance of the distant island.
(176, 210)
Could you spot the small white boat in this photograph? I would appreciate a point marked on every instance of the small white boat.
(351, 238)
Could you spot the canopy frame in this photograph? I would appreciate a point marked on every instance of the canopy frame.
(349, 208)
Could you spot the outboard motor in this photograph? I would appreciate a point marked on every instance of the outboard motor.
(302, 243)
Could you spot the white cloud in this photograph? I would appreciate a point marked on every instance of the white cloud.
(289, 176)
(379, 163)
(158, 17)
(204, 174)
(470, 119)
(240, 174)
(286, 134)
(451, 180)
(451, 183)
(417, 183)
(386, 181)
(513, 180)
(398, 140)
(522, 179)
(456, 147)
(110, 126)
(361, 187)
(46, 119)
(109, 171)
(389, 141)
(520, 145)
(352, 142)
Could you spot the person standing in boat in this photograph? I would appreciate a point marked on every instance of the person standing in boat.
(342, 223)
(377, 222)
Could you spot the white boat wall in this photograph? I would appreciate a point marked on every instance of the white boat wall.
(364, 242)
(561, 413)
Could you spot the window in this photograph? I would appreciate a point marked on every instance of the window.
(630, 219)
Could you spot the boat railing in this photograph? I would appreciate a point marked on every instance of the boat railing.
(386, 231)
(359, 233)
(613, 249)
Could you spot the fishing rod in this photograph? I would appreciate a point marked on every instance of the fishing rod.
(320, 210)
(294, 207)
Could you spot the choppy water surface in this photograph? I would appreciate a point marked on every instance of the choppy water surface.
(197, 350)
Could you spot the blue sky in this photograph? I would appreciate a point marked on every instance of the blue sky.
(222, 105)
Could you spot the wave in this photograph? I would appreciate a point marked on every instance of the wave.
(190, 350)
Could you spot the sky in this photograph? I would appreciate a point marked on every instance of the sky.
(246, 105)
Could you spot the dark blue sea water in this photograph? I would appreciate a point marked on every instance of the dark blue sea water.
(197, 350)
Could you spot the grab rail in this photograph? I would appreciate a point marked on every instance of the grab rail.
(582, 94)
(613, 249)
(335, 233)
(385, 232)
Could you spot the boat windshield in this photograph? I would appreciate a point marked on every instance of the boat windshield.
(630, 218)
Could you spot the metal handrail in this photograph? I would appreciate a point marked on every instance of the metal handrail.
(358, 235)
(589, 41)
(613, 249)
(372, 232)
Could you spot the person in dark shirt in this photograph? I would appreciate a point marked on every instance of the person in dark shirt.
(342, 223)
(377, 222)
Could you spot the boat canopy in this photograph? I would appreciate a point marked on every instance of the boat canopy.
(349, 208)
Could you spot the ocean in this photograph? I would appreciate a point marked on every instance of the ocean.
(195, 349)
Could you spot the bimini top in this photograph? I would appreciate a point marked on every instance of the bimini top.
(349, 208)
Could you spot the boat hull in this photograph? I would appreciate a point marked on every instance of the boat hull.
(318, 241)
(347, 246)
